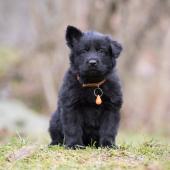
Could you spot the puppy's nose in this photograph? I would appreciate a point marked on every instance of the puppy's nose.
(92, 62)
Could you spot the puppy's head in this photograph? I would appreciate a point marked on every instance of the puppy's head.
(92, 54)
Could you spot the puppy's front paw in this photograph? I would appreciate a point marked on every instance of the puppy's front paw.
(108, 144)
(54, 143)
(75, 146)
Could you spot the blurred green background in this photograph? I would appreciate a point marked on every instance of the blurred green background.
(34, 57)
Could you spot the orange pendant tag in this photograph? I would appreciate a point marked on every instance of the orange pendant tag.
(98, 100)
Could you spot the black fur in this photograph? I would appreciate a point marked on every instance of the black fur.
(78, 121)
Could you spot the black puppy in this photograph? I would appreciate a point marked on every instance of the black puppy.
(90, 97)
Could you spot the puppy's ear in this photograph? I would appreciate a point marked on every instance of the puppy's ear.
(116, 47)
(72, 34)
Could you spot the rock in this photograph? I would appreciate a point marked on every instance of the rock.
(15, 117)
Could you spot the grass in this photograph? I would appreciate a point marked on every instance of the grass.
(136, 152)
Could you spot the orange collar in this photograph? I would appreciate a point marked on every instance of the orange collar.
(98, 84)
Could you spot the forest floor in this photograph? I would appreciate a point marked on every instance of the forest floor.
(136, 152)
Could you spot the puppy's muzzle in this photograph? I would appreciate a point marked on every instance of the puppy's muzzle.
(92, 63)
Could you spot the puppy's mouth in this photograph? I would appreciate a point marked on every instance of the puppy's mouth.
(91, 75)
(87, 71)
(92, 72)
(90, 78)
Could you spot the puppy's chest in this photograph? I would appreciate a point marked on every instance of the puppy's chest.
(88, 96)
(91, 115)
(91, 112)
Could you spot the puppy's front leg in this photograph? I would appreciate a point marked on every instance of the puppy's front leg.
(71, 121)
(108, 128)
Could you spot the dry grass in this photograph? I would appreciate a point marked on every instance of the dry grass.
(138, 153)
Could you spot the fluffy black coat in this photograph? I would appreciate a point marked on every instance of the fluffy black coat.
(79, 121)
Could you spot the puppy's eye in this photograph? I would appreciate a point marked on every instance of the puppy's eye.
(101, 50)
(83, 51)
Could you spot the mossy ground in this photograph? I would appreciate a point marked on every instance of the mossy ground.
(136, 152)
